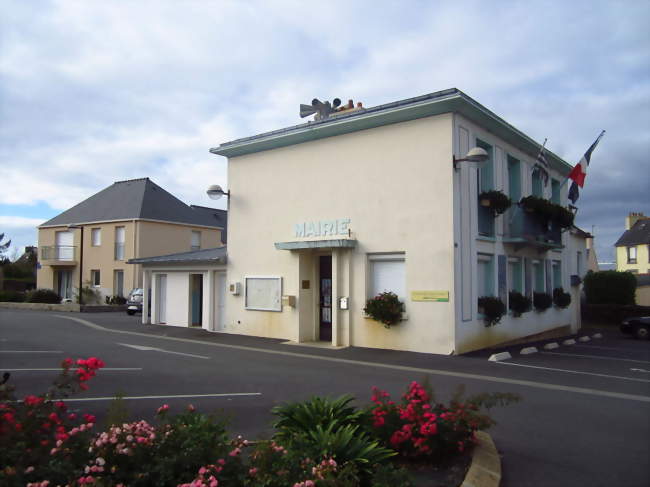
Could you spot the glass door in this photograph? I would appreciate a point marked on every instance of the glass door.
(325, 330)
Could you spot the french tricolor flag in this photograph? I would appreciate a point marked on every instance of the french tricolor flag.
(579, 172)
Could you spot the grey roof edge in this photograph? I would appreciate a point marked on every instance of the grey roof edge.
(450, 100)
(169, 222)
(215, 255)
(316, 244)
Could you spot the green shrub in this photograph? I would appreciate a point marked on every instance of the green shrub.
(385, 308)
(43, 296)
(560, 298)
(542, 301)
(300, 417)
(610, 287)
(12, 296)
(115, 300)
(519, 303)
(492, 309)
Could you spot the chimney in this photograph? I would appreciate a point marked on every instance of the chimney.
(632, 218)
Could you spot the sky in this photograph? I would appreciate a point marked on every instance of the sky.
(96, 91)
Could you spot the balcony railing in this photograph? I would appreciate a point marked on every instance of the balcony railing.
(119, 250)
(524, 228)
(64, 253)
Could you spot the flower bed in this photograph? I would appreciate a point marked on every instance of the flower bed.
(320, 442)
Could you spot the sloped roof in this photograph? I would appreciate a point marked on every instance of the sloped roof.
(129, 200)
(221, 217)
(216, 255)
(639, 234)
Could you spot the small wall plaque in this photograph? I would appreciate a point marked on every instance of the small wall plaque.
(433, 296)
(305, 284)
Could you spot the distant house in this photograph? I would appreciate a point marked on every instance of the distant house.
(633, 253)
(632, 248)
(129, 219)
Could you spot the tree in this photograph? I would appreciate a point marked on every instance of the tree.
(3, 247)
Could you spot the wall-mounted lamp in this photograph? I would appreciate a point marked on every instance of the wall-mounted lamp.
(476, 157)
(215, 192)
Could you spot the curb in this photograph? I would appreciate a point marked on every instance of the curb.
(485, 470)
(496, 357)
(528, 350)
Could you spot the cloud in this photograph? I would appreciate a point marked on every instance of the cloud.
(95, 92)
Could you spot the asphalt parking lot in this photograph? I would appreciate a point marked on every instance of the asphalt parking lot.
(584, 418)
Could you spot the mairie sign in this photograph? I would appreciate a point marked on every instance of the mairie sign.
(322, 228)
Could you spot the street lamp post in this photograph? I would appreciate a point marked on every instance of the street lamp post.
(81, 258)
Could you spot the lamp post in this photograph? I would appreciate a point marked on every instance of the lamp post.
(476, 156)
(81, 257)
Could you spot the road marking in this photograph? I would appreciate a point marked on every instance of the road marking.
(112, 369)
(31, 351)
(596, 357)
(177, 396)
(575, 372)
(152, 349)
(444, 373)
(640, 370)
(609, 348)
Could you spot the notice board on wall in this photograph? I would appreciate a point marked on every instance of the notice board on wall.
(263, 293)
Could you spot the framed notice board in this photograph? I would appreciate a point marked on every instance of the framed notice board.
(263, 293)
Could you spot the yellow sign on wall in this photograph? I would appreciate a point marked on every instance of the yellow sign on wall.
(435, 296)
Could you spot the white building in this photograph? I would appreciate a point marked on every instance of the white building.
(326, 214)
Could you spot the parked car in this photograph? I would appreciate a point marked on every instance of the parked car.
(134, 301)
(639, 327)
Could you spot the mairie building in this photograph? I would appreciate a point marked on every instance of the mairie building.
(329, 213)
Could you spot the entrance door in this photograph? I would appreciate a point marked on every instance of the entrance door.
(325, 332)
(118, 283)
(196, 298)
(161, 298)
(64, 284)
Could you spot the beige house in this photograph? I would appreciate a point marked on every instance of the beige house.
(329, 213)
(633, 253)
(93, 240)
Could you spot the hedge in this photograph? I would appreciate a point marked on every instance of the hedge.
(610, 287)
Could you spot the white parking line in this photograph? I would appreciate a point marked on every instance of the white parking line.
(178, 396)
(31, 351)
(607, 348)
(573, 371)
(596, 357)
(111, 369)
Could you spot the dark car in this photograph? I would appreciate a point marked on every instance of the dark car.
(639, 327)
(134, 301)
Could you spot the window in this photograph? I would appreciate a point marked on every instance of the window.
(557, 273)
(263, 293)
(485, 271)
(119, 243)
(538, 190)
(514, 179)
(555, 191)
(387, 273)
(514, 274)
(538, 276)
(96, 237)
(196, 240)
(95, 278)
(631, 255)
(486, 173)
